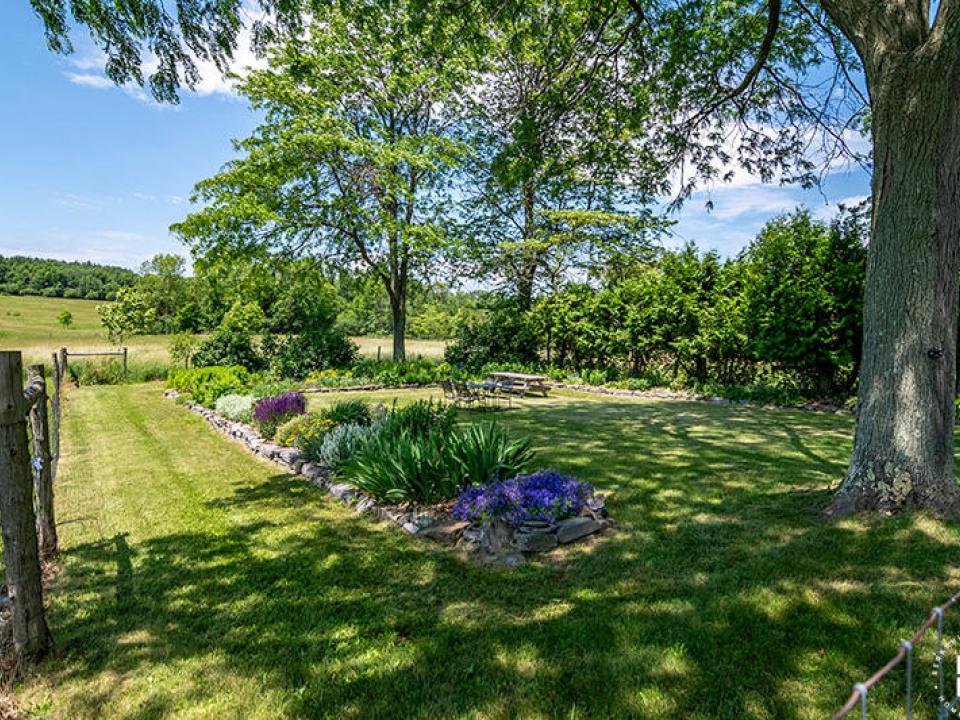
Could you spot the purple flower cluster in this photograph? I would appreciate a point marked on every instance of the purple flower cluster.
(544, 495)
(269, 410)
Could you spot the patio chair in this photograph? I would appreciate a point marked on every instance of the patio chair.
(467, 396)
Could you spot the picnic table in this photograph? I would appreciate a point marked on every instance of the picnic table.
(518, 382)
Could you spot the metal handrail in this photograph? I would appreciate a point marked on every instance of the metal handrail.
(860, 690)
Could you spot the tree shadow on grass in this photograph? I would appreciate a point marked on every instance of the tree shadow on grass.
(722, 594)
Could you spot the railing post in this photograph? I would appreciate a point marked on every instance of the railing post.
(43, 484)
(55, 409)
(63, 364)
(31, 637)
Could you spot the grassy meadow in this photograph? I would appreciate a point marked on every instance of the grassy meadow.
(199, 582)
(29, 324)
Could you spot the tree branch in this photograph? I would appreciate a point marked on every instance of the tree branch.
(773, 25)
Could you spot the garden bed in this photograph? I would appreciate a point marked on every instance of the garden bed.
(484, 540)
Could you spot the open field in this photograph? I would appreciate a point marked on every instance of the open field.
(200, 583)
(30, 324)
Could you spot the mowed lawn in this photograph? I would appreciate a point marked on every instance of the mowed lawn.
(200, 583)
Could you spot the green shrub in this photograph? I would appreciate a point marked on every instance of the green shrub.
(303, 431)
(348, 412)
(418, 371)
(421, 418)
(182, 348)
(92, 372)
(334, 377)
(296, 356)
(227, 349)
(503, 335)
(238, 408)
(96, 373)
(207, 384)
(269, 388)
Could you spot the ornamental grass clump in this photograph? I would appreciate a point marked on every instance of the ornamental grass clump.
(545, 495)
(271, 412)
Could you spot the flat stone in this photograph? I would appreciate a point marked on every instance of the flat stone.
(496, 537)
(445, 532)
(535, 525)
(309, 469)
(411, 528)
(509, 560)
(291, 455)
(367, 505)
(575, 528)
(534, 542)
(343, 491)
(471, 536)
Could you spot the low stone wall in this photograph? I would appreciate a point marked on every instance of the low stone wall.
(492, 542)
(713, 400)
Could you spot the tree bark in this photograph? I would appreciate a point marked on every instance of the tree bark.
(43, 483)
(903, 444)
(31, 637)
(529, 260)
(398, 312)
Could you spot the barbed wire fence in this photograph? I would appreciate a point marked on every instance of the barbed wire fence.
(859, 698)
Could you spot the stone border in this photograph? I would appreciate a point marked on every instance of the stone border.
(493, 542)
(365, 388)
(713, 400)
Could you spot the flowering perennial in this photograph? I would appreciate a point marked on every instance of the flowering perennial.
(271, 412)
(544, 495)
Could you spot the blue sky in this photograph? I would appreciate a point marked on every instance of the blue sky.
(96, 172)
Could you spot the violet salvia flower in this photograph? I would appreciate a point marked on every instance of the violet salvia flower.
(271, 409)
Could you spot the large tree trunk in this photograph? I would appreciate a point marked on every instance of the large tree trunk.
(398, 311)
(530, 260)
(903, 444)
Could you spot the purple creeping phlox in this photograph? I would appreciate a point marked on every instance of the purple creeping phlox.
(270, 409)
(544, 495)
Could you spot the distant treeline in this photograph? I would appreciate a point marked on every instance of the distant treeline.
(59, 278)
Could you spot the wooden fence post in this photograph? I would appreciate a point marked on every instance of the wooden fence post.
(55, 409)
(124, 364)
(31, 637)
(63, 364)
(43, 482)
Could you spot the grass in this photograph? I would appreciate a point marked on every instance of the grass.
(29, 324)
(199, 583)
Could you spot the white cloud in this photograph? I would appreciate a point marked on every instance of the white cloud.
(89, 80)
(734, 202)
(91, 62)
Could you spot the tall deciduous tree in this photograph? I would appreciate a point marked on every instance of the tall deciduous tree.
(759, 82)
(556, 180)
(353, 158)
